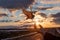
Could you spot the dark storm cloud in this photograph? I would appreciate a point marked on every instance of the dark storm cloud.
(10, 4)
(56, 15)
(56, 18)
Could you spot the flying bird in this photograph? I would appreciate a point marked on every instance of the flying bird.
(29, 14)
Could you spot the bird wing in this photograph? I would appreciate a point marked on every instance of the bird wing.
(28, 14)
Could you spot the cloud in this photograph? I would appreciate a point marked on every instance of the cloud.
(3, 14)
(15, 4)
(57, 15)
(12, 17)
(41, 14)
(43, 8)
(56, 18)
(22, 14)
(50, 1)
(1, 18)
(55, 8)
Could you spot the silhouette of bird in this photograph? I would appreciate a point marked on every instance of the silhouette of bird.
(29, 14)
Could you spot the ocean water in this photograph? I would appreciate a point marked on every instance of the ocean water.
(15, 33)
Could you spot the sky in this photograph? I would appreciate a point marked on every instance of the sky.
(39, 3)
(53, 14)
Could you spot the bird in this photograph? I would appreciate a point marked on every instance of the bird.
(29, 14)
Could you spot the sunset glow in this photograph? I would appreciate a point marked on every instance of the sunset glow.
(45, 22)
